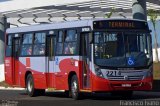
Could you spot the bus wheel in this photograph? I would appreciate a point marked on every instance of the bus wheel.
(30, 86)
(74, 88)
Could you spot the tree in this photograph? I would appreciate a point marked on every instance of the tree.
(108, 15)
(153, 17)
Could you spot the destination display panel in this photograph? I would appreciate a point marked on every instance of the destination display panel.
(120, 24)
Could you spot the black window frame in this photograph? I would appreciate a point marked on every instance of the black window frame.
(26, 34)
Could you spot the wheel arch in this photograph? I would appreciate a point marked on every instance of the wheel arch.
(26, 74)
(70, 77)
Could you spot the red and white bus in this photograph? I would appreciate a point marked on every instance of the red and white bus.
(101, 55)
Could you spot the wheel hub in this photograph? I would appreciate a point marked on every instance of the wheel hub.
(74, 87)
(30, 85)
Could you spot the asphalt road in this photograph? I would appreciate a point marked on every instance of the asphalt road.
(20, 98)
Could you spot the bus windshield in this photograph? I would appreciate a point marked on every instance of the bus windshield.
(122, 49)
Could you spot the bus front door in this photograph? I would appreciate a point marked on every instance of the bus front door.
(85, 60)
(15, 61)
(50, 79)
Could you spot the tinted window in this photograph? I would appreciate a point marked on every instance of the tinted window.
(39, 44)
(26, 50)
(60, 36)
(67, 42)
(27, 38)
(70, 48)
(119, 49)
(70, 43)
(39, 38)
(71, 36)
(59, 48)
(39, 49)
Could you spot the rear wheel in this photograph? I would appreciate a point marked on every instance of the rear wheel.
(74, 88)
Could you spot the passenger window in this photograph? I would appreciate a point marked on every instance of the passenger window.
(60, 36)
(39, 44)
(27, 38)
(71, 36)
(26, 50)
(59, 48)
(39, 38)
(70, 43)
(67, 42)
(39, 49)
(70, 48)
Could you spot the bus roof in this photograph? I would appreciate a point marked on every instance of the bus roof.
(59, 25)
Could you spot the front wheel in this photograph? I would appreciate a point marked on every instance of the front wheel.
(74, 87)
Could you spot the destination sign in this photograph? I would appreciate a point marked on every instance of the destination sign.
(120, 24)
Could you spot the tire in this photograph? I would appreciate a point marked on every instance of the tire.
(30, 86)
(74, 88)
(123, 94)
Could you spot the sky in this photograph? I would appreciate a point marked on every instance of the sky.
(7, 5)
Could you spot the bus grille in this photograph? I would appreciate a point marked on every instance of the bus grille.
(133, 78)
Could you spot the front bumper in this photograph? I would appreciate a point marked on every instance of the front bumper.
(104, 85)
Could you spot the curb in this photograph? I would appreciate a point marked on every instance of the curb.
(11, 88)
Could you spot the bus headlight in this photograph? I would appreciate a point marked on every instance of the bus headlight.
(99, 72)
